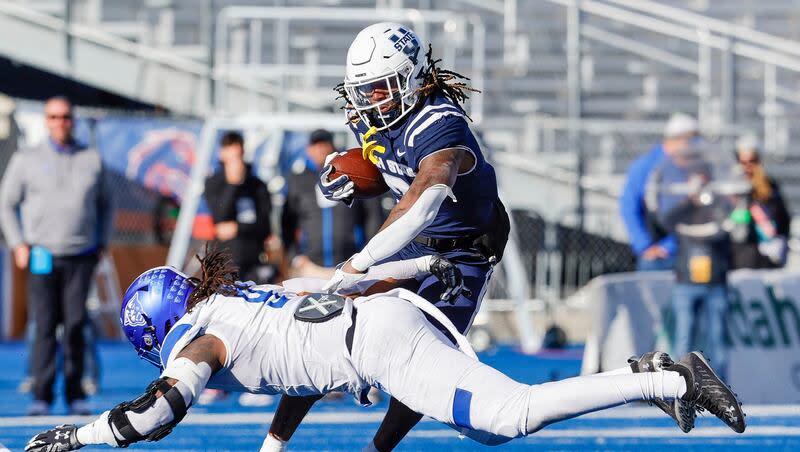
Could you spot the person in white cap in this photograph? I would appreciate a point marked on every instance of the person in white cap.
(653, 247)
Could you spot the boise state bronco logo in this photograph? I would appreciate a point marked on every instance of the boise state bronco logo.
(133, 313)
(162, 160)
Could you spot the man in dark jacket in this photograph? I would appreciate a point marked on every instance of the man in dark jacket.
(240, 206)
(321, 233)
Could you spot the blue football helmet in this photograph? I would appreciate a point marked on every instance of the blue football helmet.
(151, 306)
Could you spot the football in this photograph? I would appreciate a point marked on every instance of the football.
(366, 177)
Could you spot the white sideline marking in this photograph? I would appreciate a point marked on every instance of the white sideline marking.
(647, 412)
(366, 417)
(333, 417)
(671, 432)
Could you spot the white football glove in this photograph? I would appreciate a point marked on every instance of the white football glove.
(339, 189)
(342, 281)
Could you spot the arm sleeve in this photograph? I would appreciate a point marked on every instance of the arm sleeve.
(397, 270)
(404, 229)
(105, 210)
(261, 228)
(631, 206)
(11, 194)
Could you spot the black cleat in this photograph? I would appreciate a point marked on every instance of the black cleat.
(681, 411)
(709, 392)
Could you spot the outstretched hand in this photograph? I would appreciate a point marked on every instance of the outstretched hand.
(58, 439)
(344, 278)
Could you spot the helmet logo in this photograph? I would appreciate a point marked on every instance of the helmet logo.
(133, 312)
(406, 43)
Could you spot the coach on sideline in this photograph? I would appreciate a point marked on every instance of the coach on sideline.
(55, 213)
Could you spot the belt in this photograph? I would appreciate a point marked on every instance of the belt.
(443, 245)
(348, 336)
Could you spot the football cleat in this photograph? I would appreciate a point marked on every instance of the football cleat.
(681, 411)
(709, 392)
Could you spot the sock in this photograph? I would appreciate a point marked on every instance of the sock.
(273, 444)
(370, 448)
(559, 400)
(621, 371)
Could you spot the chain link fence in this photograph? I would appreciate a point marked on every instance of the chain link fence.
(559, 259)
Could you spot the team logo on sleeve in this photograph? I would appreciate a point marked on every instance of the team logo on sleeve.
(134, 316)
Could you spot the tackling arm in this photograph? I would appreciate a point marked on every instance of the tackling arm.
(152, 415)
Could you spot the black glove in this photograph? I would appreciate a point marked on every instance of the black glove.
(59, 439)
(449, 275)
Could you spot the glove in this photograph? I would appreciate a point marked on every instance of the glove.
(452, 279)
(339, 189)
(62, 438)
(342, 280)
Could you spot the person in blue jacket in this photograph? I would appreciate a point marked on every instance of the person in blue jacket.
(653, 246)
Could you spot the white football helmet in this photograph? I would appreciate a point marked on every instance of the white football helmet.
(381, 82)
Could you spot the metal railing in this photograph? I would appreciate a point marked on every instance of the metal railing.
(709, 35)
(148, 54)
(281, 69)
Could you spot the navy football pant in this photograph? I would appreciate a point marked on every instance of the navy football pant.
(476, 270)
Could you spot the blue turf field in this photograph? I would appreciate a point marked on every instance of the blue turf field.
(342, 426)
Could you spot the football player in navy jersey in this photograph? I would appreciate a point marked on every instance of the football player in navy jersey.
(406, 113)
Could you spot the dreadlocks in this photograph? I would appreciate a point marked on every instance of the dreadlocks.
(218, 274)
(439, 80)
(434, 80)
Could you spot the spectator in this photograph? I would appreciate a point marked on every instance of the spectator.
(653, 247)
(703, 258)
(322, 233)
(240, 206)
(769, 222)
(56, 217)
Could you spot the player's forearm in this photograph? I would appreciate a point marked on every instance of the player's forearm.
(391, 274)
(397, 235)
(98, 432)
(416, 210)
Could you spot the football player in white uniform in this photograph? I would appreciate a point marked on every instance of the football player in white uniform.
(219, 333)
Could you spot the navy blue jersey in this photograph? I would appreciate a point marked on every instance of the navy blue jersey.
(435, 125)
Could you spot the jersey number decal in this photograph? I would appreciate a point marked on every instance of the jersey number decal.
(253, 295)
(398, 186)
